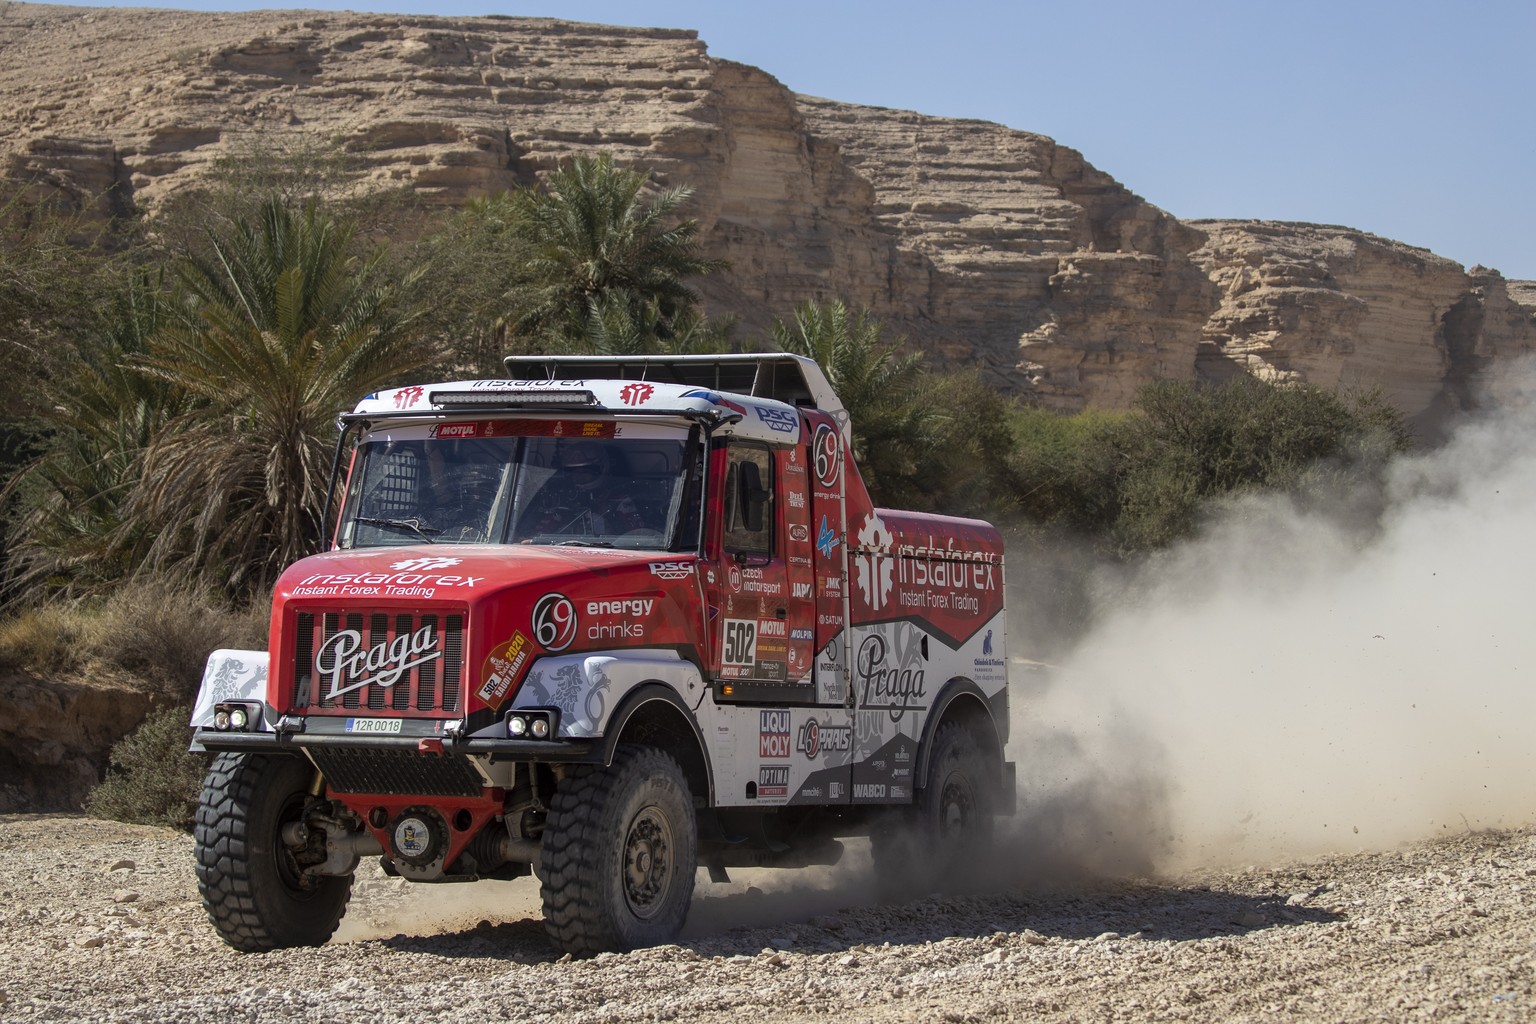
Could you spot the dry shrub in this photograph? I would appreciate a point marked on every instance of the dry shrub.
(46, 639)
(154, 779)
(163, 631)
(158, 631)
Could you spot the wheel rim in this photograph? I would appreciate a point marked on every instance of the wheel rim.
(957, 805)
(647, 862)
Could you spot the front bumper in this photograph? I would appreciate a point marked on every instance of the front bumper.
(568, 751)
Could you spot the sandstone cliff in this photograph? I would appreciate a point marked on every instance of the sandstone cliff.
(56, 736)
(984, 245)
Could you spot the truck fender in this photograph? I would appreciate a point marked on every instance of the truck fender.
(643, 702)
(233, 676)
(957, 689)
(588, 688)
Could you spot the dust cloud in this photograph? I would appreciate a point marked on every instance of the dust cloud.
(1289, 685)
(383, 907)
(1286, 685)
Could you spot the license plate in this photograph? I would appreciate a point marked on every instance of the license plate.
(387, 725)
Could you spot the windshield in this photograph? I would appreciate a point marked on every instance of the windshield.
(454, 483)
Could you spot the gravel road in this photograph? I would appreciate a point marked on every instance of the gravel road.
(102, 922)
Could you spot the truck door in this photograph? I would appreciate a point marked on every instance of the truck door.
(767, 570)
(767, 637)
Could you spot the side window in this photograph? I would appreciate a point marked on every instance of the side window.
(749, 511)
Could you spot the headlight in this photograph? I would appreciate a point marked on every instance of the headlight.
(232, 716)
(532, 723)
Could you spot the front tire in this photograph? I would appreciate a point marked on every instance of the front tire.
(620, 850)
(252, 884)
(936, 843)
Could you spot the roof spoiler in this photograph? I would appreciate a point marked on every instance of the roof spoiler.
(794, 380)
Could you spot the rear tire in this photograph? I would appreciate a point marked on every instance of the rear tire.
(619, 854)
(253, 888)
(935, 844)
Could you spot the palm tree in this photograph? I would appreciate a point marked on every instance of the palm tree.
(474, 266)
(278, 327)
(897, 428)
(618, 324)
(72, 532)
(598, 250)
(45, 280)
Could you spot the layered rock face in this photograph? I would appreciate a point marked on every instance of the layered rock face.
(1334, 307)
(55, 738)
(984, 245)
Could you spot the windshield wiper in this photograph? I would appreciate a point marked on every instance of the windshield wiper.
(588, 543)
(414, 525)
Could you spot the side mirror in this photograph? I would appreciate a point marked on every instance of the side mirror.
(751, 496)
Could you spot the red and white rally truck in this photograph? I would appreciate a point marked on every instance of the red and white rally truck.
(610, 620)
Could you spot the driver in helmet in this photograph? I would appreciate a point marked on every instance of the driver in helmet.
(459, 481)
(583, 497)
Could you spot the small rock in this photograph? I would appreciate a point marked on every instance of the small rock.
(124, 896)
(121, 865)
(1107, 937)
(847, 960)
(1251, 919)
(996, 956)
(1033, 938)
(90, 940)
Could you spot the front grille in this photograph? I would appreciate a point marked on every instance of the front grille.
(377, 642)
(372, 770)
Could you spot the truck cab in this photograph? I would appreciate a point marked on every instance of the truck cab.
(610, 620)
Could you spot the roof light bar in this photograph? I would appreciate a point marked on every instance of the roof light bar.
(512, 396)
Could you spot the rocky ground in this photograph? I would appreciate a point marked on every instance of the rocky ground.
(102, 922)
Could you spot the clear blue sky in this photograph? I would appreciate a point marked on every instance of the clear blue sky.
(1410, 119)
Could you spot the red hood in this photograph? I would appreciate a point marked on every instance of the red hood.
(462, 572)
(522, 602)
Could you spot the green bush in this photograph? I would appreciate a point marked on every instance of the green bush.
(1138, 481)
(154, 779)
(1201, 442)
(1065, 472)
